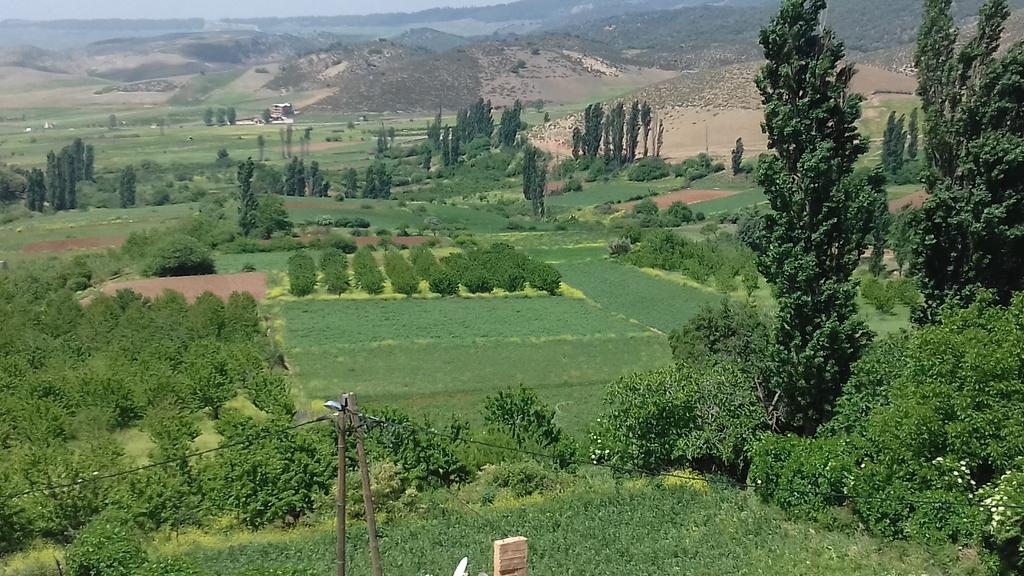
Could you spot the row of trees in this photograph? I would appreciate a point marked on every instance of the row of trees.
(220, 116)
(472, 123)
(617, 134)
(302, 181)
(899, 141)
(74, 163)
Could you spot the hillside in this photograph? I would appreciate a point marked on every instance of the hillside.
(387, 76)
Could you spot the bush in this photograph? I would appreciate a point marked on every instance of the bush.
(875, 292)
(693, 416)
(400, 272)
(428, 460)
(647, 169)
(676, 215)
(180, 255)
(444, 282)
(367, 273)
(107, 546)
(572, 184)
(620, 247)
(521, 478)
(424, 263)
(301, 274)
(334, 267)
(803, 475)
(522, 415)
(546, 278)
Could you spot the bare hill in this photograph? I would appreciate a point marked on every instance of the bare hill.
(386, 76)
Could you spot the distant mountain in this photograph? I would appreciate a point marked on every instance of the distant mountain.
(430, 39)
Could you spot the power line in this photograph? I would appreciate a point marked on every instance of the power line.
(679, 476)
(96, 477)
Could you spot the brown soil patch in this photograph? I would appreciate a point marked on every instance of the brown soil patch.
(687, 196)
(222, 285)
(73, 244)
(915, 200)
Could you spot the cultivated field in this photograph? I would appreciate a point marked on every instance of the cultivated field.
(221, 285)
(444, 356)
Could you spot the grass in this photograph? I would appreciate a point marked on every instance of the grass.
(601, 526)
(91, 223)
(262, 262)
(739, 200)
(612, 191)
(446, 355)
(654, 301)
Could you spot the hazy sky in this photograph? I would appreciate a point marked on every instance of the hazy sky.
(57, 9)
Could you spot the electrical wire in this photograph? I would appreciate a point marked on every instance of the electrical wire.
(688, 477)
(96, 477)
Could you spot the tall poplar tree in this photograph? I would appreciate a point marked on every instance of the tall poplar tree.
(816, 230)
(534, 179)
(913, 133)
(247, 203)
(737, 157)
(632, 132)
(126, 187)
(646, 116)
(970, 227)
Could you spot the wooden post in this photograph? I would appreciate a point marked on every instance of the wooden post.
(341, 421)
(510, 557)
(364, 473)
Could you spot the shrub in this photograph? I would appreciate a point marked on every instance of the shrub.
(301, 274)
(180, 255)
(546, 278)
(645, 207)
(521, 414)
(334, 267)
(444, 282)
(696, 416)
(732, 332)
(367, 273)
(802, 475)
(572, 184)
(647, 169)
(428, 459)
(521, 478)
(424, 263)
(620, 247)
(400, 272)
(477, 280)
(676, 215)
(876, 293)
(108, 545)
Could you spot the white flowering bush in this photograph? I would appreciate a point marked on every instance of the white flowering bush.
(1003, 502)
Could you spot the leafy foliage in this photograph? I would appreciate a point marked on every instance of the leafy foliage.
(815, 233)
(334, 267)
(301, 274)
(179, 255)
(367, 274)
(400, 273)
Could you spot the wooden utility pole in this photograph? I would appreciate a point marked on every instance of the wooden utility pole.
(341, 421)
(364, 473)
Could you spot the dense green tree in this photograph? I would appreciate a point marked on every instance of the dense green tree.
(108, 545)
(301, 274)
(112, 122)
(880, 221)
(593, 120)
(913, 133)
(241, 318)
(894, 141)
(434, 130)
(126, 187)
(246, 198)
(231, 115)
(969, 235)
(902, 237)
(270, 216)
(295, 178)
(54, 182)
(816, 230)
(427, 162)
(261, 145)
(378, 181)
(632, 132)
(577, 142)
(400, 273)
(35, 190)
(89, 163)
(424, 262)
(737, 157)
(366, 271)
(221, 117)
(319, 186)
(350, 182)
(208, 116)
(334, 267)
(511, 123)
(534, 179)
(646, 117)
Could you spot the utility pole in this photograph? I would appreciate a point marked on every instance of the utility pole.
(342, 423)
(364, 472)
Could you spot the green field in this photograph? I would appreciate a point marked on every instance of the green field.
(445, 355)
(739, 200)
(628, 291)
(598, 527)
(612, 191)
